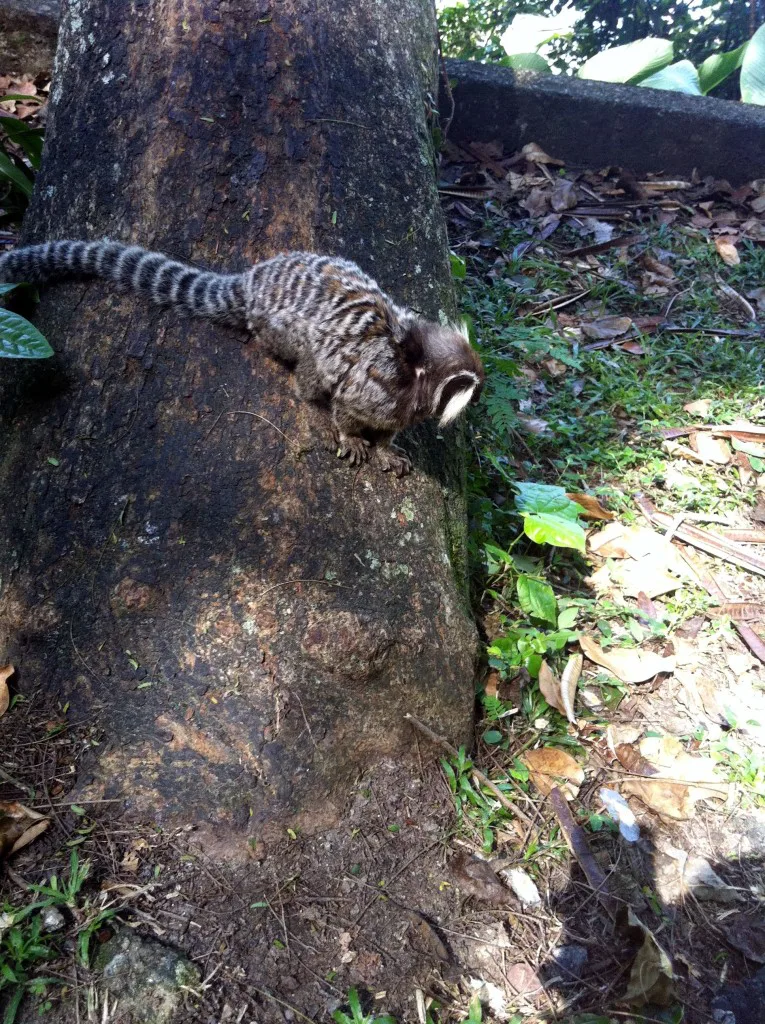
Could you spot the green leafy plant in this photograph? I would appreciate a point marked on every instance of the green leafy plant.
(19, 339)
(25, 947)
(20, 154)
(473, 806)
(525, 647)
(549, 515)
(475, 1012)
(647, 62)
(357, 1015)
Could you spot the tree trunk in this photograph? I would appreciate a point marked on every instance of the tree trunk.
(243, 617)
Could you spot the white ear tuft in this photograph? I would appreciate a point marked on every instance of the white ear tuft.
(461, 327)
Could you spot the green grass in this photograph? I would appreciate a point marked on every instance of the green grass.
(27, 949)
(604, 411)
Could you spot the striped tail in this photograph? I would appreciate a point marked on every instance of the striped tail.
(162, 280)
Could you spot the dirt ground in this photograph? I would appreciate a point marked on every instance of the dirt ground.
(391, 902)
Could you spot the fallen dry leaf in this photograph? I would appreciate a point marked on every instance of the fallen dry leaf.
(549, 687)
(747, 934)
(478, 878)
(555, 367)
(130, 862)
(535, 154)
(634, 348)
(491, 684)
(19, 825)
(568, 684)
(651, 978)
(710, 449)
(700, 407)
(548, 766)
(667, 779)
(670, 800)
(739, 611)
(727, 251)
(536, 202)
(592, 507)
(657, 269)
(647, 575)
(5, 698)
(609, 542)
(607, 328)
(627, 664)
(563, 196)
(560, 693)
(646, 606)
(534, 424)
(524, 982)
(601, 582)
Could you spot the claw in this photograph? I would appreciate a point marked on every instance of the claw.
(394, 461)
(355, 449)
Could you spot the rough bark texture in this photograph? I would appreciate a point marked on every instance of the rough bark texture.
(243, 618)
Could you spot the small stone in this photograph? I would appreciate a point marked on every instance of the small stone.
(52, 919)
(570, 958)
(741, 1004)
(149, 980)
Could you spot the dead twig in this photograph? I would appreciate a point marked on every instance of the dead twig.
(447, 89)
(620, 242)
(577, 843)
(734, 296)
(477, 775)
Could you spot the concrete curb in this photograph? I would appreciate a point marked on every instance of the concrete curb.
(28, 31)
(592, 124)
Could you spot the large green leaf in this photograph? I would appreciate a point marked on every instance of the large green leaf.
(753, 69)
(5, 288)
(547, 498)
(11, 172)
(679, 77)
(21, 340)
(549, 528)
(526, 62)
(715, 69)
(29, 139)
(537, 599)
(629, 63)
(527, 32)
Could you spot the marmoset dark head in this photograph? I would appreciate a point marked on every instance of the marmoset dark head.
(449, 374)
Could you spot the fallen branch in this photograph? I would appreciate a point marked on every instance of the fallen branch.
(620, 242)
(745, 432)
(745, 536)
(577, 843)
(729, 332)
(479, 776)
(712, 543)
(715, 590)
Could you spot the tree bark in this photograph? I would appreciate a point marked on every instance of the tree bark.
(244, 619)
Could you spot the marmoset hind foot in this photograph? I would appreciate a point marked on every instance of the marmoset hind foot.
(392, 459)
(355, 449)
(378, 366)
